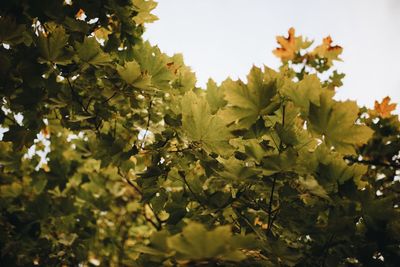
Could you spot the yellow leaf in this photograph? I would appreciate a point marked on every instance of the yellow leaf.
(326, 50)
(102, 33)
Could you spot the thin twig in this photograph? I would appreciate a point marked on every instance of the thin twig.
(89, 102)
(115, 128)
(130, 183)
(283, 126)
(260, 235)
(148, 123)
(190, 189)
(157, 226)
(11, 119)
(159, 221)
(76, 96)
(275, 214)
(271, 200)
(108, 99)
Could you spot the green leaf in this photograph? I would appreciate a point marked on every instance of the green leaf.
(11, 32)
(291, 132)
(246, 103)
(304, 93)
(311, 185)
(144, 7)
(185, 78)
(154, 64)
(215, 96)
(52, 46)
(282, 162)
(11, 191)
(202, 127)
(254, 150)
(39, 183)
(336, 123)
(148, 250)
(91, 53)
(329, 167)
(132, 75)
(196, 243)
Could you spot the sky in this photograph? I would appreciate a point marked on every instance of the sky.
(221, 38)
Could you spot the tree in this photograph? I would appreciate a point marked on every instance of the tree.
(111, 155)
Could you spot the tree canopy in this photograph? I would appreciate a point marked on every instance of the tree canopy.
(112, 156)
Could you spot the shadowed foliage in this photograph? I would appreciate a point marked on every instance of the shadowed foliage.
(112, 156)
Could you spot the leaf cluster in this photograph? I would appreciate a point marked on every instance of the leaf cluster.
(111, 156)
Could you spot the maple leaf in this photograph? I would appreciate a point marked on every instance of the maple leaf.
(52, 45)
(200, 126)
(215, 96)
(90, 52)
(154, 64)
(144, 8)
(101, 33)
(326, 50)
(335, 122)
(247, 102)
(290, 45)
(131, 74)
(384, 108)
(305, 92)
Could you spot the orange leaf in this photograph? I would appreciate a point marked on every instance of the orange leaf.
(258, 222)
(46, 132)
(288, 46)
(384, 108)
(327, 43)
(80, 15)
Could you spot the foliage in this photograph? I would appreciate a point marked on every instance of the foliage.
(112, 156)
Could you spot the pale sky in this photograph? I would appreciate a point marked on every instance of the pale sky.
(221, 38)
